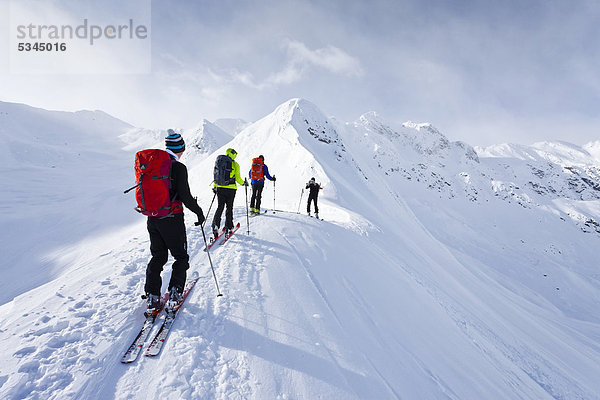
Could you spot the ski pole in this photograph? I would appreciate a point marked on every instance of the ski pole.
(130, 189)
(247, 217)
(300, 202)
(273, 196)
(208, 213)
(210, 261)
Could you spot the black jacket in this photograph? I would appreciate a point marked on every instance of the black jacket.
(314, 188)
(180, 188)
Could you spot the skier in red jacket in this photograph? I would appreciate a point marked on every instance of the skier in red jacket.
(258, 173)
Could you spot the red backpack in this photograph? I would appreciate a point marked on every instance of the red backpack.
(153, 176)
(256, 173)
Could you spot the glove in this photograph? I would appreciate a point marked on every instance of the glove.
(274, 179)
(201, 219)
(214, 189)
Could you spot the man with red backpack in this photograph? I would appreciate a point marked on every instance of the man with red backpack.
(166, 181)
(257, 173)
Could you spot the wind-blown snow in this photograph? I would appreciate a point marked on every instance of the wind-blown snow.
(440, 271)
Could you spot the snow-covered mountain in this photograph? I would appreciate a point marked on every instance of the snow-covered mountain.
(200, 140)
(556, 177)
(440, 271)
(232, 126)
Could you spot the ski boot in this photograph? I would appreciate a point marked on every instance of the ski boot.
(175, 298)
(215, 232)
(153, 305)
(317, 215)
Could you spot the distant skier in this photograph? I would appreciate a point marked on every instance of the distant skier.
(167, 233)
(258, 173)
(226, 174)
(313, 195)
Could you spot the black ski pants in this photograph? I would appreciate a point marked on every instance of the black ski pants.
(225, 197)
(257, 189)
(166, 235)
(313, 199)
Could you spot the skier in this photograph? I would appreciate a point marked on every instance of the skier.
(258, 173)
(168, 233)
(226, 174)
(313, 195)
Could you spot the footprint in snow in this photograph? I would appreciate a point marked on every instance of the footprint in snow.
(25, 351)
(57, 327)
(133, 281)
(85, 314)
(30, 367)
(57, 342)
(79, 304)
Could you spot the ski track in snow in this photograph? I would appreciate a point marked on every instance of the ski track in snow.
(320, 293)
(311, 277)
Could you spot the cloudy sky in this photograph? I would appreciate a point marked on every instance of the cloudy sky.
(481, 71)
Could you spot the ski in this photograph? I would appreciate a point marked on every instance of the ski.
(235, 228)
(214, 240)
(135, 348)
(160, 337)
(253, 214)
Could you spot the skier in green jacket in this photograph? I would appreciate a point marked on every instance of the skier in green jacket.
(225, 188)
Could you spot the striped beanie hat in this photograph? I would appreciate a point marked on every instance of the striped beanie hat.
(174, 142)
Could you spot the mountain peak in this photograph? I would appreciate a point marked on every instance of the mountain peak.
(206, 137)
(296, 106)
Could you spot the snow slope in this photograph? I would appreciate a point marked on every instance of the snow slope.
(56, 167)
(438, 273)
